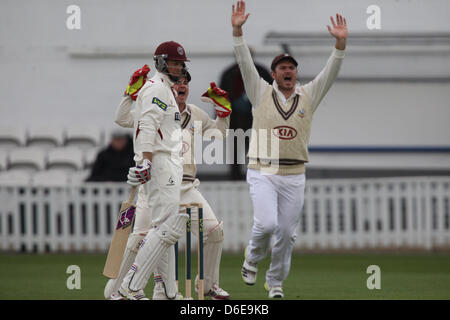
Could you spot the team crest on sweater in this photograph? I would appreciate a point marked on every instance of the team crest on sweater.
(301, 112)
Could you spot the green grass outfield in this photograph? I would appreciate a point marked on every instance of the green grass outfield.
(312, 276)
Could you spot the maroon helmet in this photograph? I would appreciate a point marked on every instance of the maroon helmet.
(169, 50)
(172, 51)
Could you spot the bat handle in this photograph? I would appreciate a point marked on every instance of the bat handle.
(132, 194)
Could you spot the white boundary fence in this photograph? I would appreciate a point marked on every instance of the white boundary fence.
(339, 214)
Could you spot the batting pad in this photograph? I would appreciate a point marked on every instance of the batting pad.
(153, 247)
(129, 255)
(166, 268)
(212, 254)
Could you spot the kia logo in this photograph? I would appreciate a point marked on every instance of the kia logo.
(285, 132)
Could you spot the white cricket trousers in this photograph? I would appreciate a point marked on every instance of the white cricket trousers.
(277, 204)
(163, 190)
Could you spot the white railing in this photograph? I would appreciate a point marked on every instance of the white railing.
(382, 213)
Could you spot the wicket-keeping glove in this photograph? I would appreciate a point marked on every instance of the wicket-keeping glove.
(140, 174)
(137, 80)
(219, 98)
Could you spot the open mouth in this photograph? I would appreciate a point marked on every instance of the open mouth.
(182, 93)
(287, 78)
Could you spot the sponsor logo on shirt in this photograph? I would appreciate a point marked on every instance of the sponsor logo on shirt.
(285, 132)
(177, 116)
(159, 103)
(171, 182)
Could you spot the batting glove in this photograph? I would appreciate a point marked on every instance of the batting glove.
(219, 98)
(140, 174)
(137, 81)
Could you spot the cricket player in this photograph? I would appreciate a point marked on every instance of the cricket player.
(282, 111)
(157, 147)
(194, 120)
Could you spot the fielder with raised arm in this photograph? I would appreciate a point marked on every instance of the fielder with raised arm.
(277, 182)
(157, 147)
(193, 120)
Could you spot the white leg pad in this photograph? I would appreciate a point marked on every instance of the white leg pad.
(153, 247)
(166, 269)
(129, 255)
(213, 254)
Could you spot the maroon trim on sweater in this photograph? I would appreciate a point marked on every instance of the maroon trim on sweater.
(289, 113)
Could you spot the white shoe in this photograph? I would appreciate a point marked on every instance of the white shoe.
(132, 295)
(159, 293)
(248, 272)
(116, 296)
(217, 293)
(274, 292)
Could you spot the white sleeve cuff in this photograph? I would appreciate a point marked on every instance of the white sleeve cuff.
(339, 53)
(238, 41)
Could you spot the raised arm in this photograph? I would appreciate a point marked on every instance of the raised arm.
(238, 18)
(219, 99)
(124, 114)
(317, 88)
(209, 126)
(253, 83)
(339, 31)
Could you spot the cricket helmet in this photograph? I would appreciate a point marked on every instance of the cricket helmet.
(169, 50)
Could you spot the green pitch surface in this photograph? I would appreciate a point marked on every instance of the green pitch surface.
(332, 276)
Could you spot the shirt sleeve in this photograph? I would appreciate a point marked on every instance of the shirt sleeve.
(124, 114)
(221, 124)
(253, 83)
(154, 106)
(319, 86)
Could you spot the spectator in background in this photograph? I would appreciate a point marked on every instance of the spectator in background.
(241, 117)
(113, 162)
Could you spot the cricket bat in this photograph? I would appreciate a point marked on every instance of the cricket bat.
(120, 237)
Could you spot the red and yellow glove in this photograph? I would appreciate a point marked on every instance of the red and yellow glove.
(219, 98)
(137, 81)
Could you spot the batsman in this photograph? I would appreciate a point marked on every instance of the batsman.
(159, 167)
(193, 121)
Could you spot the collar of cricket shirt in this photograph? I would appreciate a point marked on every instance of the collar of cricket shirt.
(187, 119)
(281, 95)
(187, 109)
(164, 78)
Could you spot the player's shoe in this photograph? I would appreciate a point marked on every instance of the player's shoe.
(274, 292)
(132, 295)
(116, 296)
(248, 271)
(159, 293)
(217, 293)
